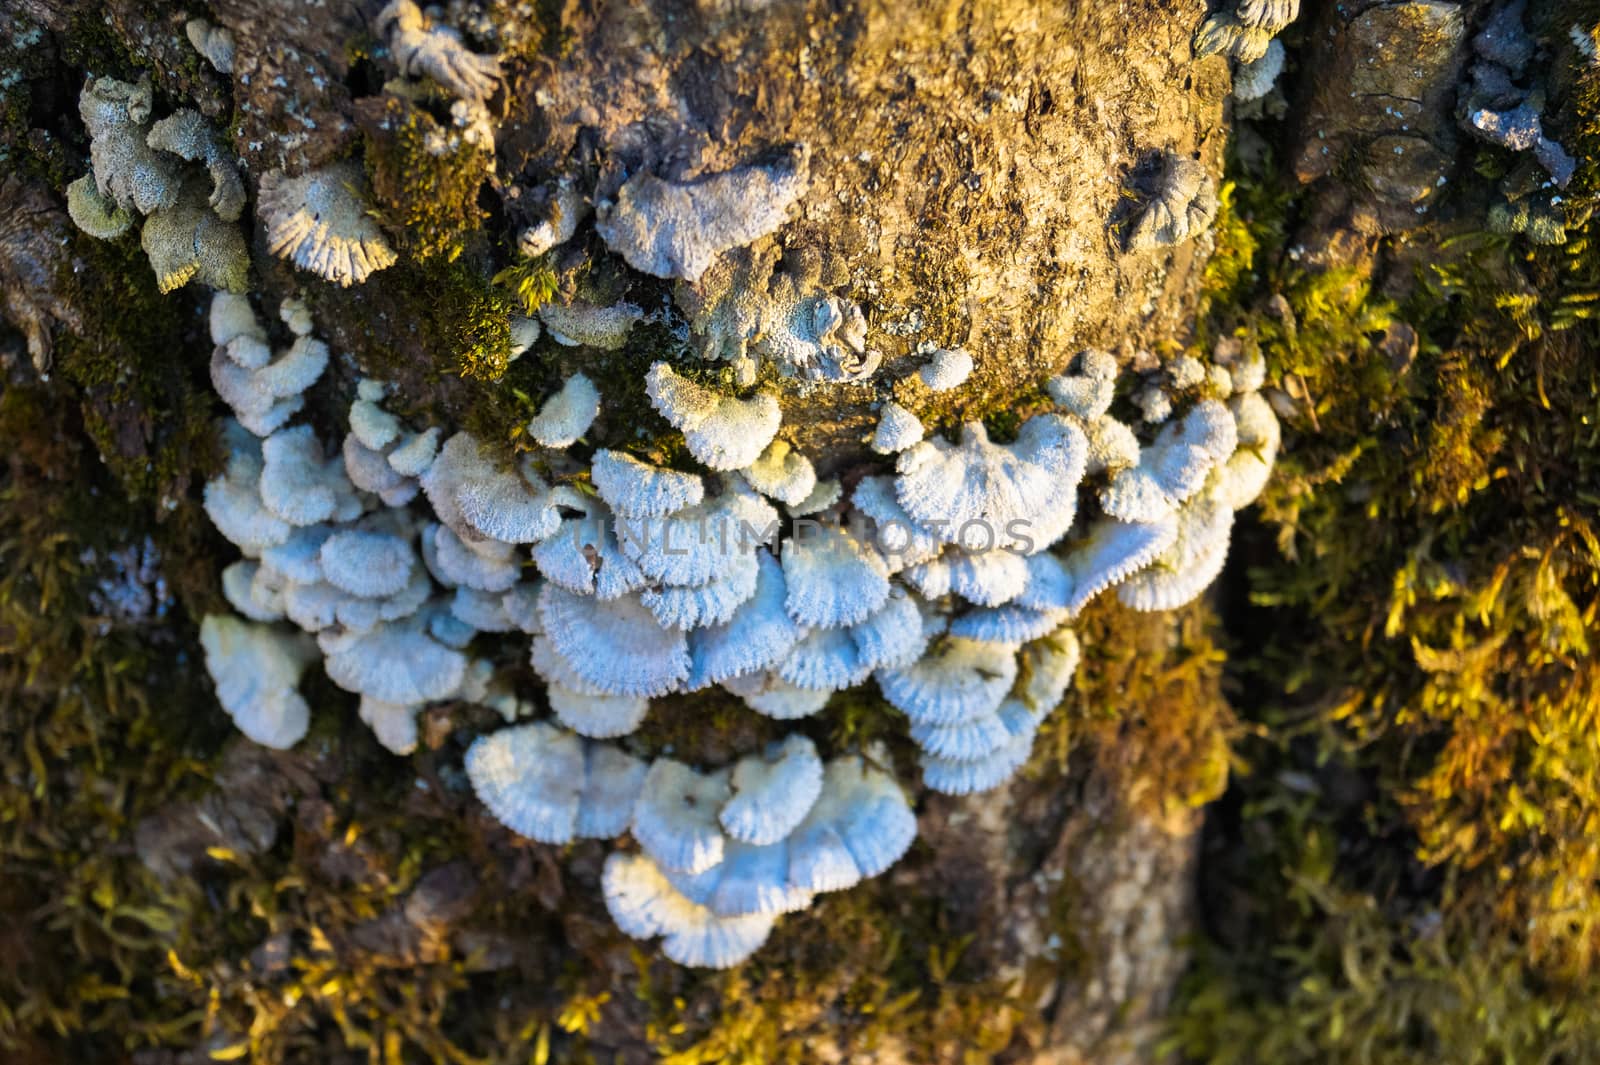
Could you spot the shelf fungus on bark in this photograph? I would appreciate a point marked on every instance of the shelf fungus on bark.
(945, 369)
(1183, 206)
(722, 432)
(1243, 30)
(782, 473)
(677, 229)
(320, 221)
(898, 429)
(255, 669)
(580, 324)
(215, 43)
(422, 48)
(567, 415)
(553, 787)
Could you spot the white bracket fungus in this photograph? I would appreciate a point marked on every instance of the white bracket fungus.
(723, 432)
(567, 415)
(320, 222)
(255, 669)
(898, 429)
(672, 229)
(946, 369)
(421, 48)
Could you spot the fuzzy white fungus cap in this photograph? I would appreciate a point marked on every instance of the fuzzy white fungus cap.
(782, 473)
(970, 776)
(265, 397)
(896, 535)
(548, 785)
(1253, 80)
(319, 221)
(979, 488)
(833, 578)
(369, 564)
(1089, 385)
(673, 229)
(396, 663)
(1113, 552)
(644, 903)
(255, 669)
(723, 432)
(615, 646)
(488, 566)
(771, 696)
(597, 716)
(1186, 568)
(758, 635)
(675, 818)
(583, 556)
(894, 636)
(567, 415)
(773, 794)
(897, 429)
(233, 500)
(704, 605)
(826, 660)
(702, 543)
(635, 489)
(859, 827)
(300, 485)
(478, 500)
(823, 495)
(394, 724)
(956, 681)
(946, 369)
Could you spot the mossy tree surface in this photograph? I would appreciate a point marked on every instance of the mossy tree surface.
(1396, 674)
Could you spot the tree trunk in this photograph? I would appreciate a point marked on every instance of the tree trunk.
(972, 174)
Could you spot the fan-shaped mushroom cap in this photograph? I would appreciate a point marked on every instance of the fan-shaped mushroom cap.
(1049, 586)
(1086, 390)
(750, 880)
(1192, 562)
(489, 566)
(946, 369)
(833, 579)
(265, 397)
(952, 777)
(969, 741)
(600, 717)
(370, 471)
(531, 778)
(894, 636)
(1048, 666)
(215, 43)
(397, 663)
(896, 535)
(233, 500)
(255, 669)
(375, 427)
(859, 827)
(723, 432)
(675, 819)
(320, 222)
(231, 318)
(1244, 475)
(672, 229)
(644, 904)
(186, 134)
(698, 544)
(712, 603)
(956, 681)
(611, 782)
(415, 453)
(1001, 490)
(636, 489)
(773, 794)
(127, 170)
(478, 500)
(897, 429)
(484, 611)
(96, 215)
(299, 558)
(771, 696)
(615, 645)
(1114, 551)
(826, 660)
(240, 588)
(1009, 624)
(583, 556)
(394, 724)
(185, 241)
(367, 563)
(782, 473)
(567, 415)
(1253, 80)
(758, 635)
(299, 485)
(1112, 446)
(824, 494)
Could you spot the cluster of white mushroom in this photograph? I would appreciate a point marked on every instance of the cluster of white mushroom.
(1246, 31)
(722, 854)
(140, 166)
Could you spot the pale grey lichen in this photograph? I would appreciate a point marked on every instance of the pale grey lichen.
(189, 136)
(677, 229)
(320, 221)
(578, 324)
(422, 48)
(1183, 205)
(215, 43)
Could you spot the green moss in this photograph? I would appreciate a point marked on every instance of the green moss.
(429, 200)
